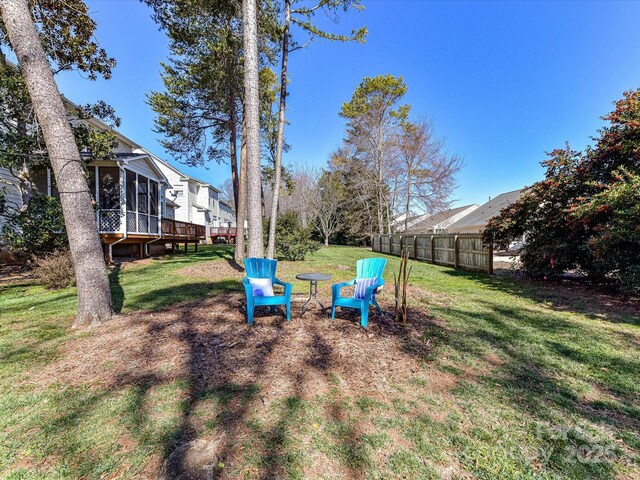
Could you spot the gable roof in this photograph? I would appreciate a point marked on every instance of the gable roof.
(100, 125)
(179, 172)
(480, 216)
(425, 222)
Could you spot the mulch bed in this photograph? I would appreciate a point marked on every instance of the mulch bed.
(209, 345)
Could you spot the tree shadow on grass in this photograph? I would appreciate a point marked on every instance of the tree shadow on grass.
(231, 365)
(594, 302)
(234, 374)
(543, 376)
(117, 292)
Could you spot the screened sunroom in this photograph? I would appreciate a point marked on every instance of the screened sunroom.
(127, 201)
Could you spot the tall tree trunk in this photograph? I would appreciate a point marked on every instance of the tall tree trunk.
(233, 148)
(406, 211)
(94, 294)
(252, 129)
(281, 121)
(242, 199)
(380, 206)
(380, 181)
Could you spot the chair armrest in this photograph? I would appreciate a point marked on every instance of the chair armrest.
(248, 289)
(372, 289)
(336, 287)
(287, 286)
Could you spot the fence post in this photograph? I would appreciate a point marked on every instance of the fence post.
(490, 259)
(433, 249)
(415, 247)
(456, 252)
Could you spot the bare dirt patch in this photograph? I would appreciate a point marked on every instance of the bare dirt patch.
(13, 274)
(214, 271)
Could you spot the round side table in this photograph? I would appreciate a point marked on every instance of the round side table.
(313, 279)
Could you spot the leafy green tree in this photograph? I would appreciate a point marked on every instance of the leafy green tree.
(614, 238)
(293, 241)
(374, 115)
(38, 228)
(583, 215)
(200, 111)
(302, 17)
(358, 196)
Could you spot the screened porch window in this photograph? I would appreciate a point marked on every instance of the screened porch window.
(131, 195)
(143, 194)
(109, 187)
(131, 190)
(143, 197)
(153, 200)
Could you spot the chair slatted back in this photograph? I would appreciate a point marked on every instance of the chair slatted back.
(260, 267)
(370, 267)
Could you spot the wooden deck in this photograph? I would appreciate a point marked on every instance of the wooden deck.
(174, 232)
(229, 233)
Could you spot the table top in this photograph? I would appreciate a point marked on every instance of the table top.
(313, 277)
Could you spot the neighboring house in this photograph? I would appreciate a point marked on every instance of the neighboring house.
(192, 200)
(9, 186)
(226, 215)
(129, 190)
(436, 223)
(477, 220)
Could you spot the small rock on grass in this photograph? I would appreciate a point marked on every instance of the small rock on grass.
(193, 460)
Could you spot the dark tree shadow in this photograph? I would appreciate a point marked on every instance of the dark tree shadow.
(117, 292)
(527, 380)
(594, 301)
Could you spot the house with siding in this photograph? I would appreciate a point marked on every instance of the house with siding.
(435, 223)
(133, 213)
(195, 201)
(477, 220)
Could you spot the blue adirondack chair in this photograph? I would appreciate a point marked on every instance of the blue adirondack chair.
(264, 268)
(365, 268)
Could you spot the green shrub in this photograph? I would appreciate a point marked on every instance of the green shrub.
(615, 237)
(37, 229)
(293, 241)
(55, 270)
(584, 214)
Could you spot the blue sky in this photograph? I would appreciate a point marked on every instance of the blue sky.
(503, 82)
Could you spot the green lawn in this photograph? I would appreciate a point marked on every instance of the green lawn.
(545, 385)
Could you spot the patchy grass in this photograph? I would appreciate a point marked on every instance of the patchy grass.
(494, 378)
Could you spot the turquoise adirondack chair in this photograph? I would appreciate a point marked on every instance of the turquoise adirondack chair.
(366, 268)
(264, 268)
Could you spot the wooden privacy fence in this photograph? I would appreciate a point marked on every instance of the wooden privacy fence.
(462, 250)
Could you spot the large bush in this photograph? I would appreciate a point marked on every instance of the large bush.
(585, 214)
(293, 241)
(38, 228)
(614, 213)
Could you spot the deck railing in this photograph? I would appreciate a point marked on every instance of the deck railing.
(182, 230)
(223, 231)
(109, 220)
